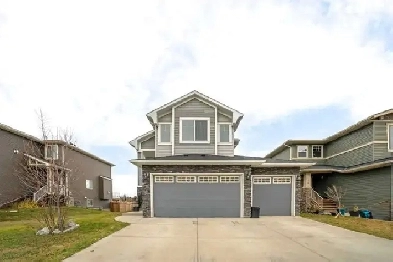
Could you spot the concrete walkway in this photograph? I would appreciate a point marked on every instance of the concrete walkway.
(264, 239)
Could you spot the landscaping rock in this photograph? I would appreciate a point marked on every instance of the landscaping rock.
(71, 223)
(42, 232)
(56, 231)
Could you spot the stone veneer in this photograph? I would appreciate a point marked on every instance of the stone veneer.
(247, 170)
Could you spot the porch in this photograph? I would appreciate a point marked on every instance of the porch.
(313, 197)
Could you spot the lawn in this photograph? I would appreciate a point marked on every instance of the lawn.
(373, 227)
(18, 241)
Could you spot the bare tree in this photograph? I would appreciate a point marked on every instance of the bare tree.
(44, 175)
(336, 193)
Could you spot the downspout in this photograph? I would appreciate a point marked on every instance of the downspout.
(290, 151)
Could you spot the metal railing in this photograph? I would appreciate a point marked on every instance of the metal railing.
(316, 198)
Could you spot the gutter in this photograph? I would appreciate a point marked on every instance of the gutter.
(350, 170)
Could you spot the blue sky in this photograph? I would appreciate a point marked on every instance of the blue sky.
(296, 69)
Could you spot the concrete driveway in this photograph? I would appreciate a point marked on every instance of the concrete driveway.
(264, 239)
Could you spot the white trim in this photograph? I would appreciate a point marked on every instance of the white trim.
(312, 151)
(215, 130)
(105, 177)
(210, 179)
(241, 175)
(293, 195)
(351, 170)
(173, 131)
(297, 151)
(166, 179)
(283, 180)
(134, 142)
(159, 134)
(221, 113)
(185, 180)
(261, 180)
(230, 179)
(350, 150)
(91, 184)
(147, 149)
(388, 126)
(195, 119)
(230, 133)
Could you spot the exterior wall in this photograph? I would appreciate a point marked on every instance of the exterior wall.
(352, 158)
(284, 155)
(223, 118)
(148, 144)
(225, 150)
(194, 108)
(165, 118)
(162, 150)
(283, 171)
(309, 156)
(85, 168)
(219, 169)
(10, 187)
(381, 137)
(365, 189)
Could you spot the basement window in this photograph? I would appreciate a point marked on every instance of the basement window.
(317, 151)
(302, 151)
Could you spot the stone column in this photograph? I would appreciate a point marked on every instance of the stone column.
(306, 192)
(247, 192)
(146, 209)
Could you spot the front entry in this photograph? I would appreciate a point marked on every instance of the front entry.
(273, 195)
(196, 196)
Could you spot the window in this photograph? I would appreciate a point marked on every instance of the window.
(302, 151)
(52, 152)
(208, 179)
(89, 184)
(164, 133)
(229, 179)
(186, 179)
(262, 180)
(163, 179)
(89, 202)
(390, 137)
(316, 151)
(281, 180)
(194, 130)
(225, 133)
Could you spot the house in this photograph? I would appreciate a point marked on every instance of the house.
(358, 158)
(187, 166)
(86, 180)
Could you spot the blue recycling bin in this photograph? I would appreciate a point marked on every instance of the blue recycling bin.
(364, 213)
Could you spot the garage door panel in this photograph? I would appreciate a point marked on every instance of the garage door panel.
(196, 199)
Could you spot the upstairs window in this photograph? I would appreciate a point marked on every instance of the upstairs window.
(390, 137)
(164, 133)
(52, 152)
(302, 151)
(194, 130)
(225, 133)
(317, 151)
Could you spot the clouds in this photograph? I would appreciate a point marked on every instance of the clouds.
(99, 67)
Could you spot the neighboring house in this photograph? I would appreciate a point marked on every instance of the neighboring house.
(87, 180)
(188, 167)
(358, 158)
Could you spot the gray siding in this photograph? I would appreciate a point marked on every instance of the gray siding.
(10, 164)
(352, 158)
(194, 108)
(284, 155)
(225, 150)
(364, 189)
(84, 167)
(165, 118)
(381, 134)
(162, 150)
(148, 144)
(354, 139)
(222, 118)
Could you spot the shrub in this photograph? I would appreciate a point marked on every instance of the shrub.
(27, 204)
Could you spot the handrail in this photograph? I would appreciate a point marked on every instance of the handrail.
(40, 193)
(316, 197)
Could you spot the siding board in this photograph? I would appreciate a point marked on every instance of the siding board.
(148, 144)
(284, 155)
(225, 150)
(355, 157)
(223, 118)
(364, 189)
(165, 118)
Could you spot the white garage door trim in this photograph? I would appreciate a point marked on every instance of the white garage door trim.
(241, 184)
(278, 181)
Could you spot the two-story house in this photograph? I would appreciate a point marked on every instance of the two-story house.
(187, 166)
(358, 158)
(29, 167)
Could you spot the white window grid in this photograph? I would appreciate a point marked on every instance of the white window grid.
(302, 151)
(208, 179)
(229, 179)
(186, 179)
(316, 148)
(282, 180)
(163, 179)
(262, 180)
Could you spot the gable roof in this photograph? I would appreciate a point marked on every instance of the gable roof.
(152, 115)
(346, 131)
(145, 136)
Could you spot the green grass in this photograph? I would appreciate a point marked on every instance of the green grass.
(373, 227)
(18, 241)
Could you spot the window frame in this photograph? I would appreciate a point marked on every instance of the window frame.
(159, 133)
(297, 151)
(312, 151)
(390, 140)
(194, 119)
(230, 133)
(46, 152)
(260, 180)
(92, 184)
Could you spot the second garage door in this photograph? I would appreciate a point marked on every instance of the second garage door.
(273, 195)
(196, 196)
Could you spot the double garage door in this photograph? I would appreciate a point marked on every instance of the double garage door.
(197, 196)
(207, 195)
